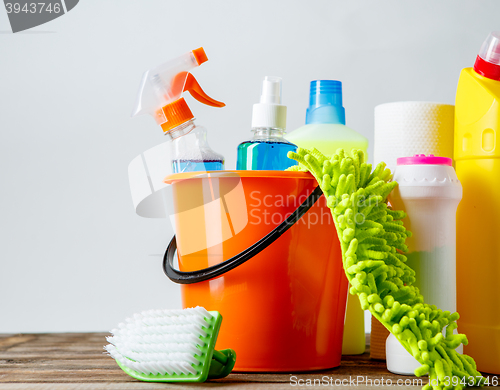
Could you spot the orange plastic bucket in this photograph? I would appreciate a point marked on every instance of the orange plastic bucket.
(284, 308)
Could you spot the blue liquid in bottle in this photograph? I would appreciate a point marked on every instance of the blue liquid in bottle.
(268, 149)
(265, 155)
(190, 150)
(197, 165)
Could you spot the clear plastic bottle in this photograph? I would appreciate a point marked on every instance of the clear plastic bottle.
(191, 153)
(326, 131)
(268, 149)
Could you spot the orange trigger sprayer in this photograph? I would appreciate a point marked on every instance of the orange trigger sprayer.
(160, 95)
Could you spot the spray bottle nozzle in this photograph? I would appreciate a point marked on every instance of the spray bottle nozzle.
(200, 55)
(269, 112)
(271, 90)
(161, 89)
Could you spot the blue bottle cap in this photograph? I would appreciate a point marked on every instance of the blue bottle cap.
(325, 103)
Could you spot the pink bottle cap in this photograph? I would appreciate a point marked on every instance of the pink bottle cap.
(422, 159)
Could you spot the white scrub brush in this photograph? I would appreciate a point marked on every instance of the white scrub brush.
(171, 346)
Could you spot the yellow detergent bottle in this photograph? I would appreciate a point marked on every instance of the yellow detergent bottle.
(326, 131)
(477, 156)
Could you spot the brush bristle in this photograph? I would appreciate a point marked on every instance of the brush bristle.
(160, 342)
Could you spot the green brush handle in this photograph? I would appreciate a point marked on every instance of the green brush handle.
(372, 238)
(222, 363)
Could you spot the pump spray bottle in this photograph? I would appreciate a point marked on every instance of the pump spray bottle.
(160, 96)
(268, 149)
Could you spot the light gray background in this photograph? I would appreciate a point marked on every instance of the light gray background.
(74, 256)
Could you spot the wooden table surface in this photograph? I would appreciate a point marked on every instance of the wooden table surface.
(77, 361)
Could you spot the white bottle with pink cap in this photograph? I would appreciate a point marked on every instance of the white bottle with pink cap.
(429, 192)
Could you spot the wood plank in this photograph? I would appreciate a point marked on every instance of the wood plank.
(147, 386)
(10, 341)
(77, 361)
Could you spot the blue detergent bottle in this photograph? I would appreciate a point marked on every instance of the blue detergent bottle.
(268, 149)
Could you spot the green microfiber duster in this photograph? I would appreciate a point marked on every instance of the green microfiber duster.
(372, 238)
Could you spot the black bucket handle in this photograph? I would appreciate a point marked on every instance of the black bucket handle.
(227, 265)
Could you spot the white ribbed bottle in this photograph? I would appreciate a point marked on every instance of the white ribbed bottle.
(429, 192)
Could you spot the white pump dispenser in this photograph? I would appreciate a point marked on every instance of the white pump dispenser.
(270, 113)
